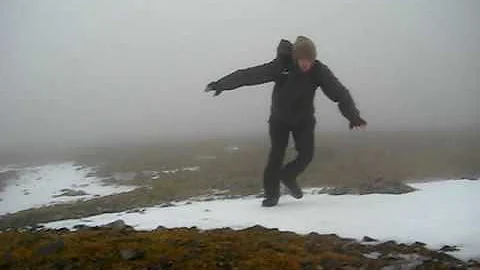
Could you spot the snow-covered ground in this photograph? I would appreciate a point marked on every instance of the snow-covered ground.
(42, 185)
(439, 213)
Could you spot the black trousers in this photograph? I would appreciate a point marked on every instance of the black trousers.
(303, 135)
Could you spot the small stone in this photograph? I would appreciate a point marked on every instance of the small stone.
(62, 230)
(419, 244)
(70, 193)
(369, 239)
(448, 248)
(168, 204)
(160, 228)
(81, 227)
(140, 211)
(116, 225)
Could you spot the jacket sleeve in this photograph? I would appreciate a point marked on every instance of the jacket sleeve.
(337, 92)
(251, 76)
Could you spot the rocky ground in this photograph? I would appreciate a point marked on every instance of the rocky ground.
(117, 246)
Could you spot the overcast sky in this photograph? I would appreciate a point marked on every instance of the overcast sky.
(96, 71)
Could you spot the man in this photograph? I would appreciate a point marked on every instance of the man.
(297, 74)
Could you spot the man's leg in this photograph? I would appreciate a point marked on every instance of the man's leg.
(303, 136)
(279, 133)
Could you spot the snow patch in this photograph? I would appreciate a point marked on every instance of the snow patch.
(42, 185)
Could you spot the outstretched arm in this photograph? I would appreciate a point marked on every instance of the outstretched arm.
(255, 75)
(249, 76)
(337, 92)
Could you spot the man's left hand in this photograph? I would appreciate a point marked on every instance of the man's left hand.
(358, 124)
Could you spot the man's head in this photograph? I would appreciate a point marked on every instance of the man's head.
(304, 53)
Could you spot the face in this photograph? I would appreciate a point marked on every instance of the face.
(305, 64)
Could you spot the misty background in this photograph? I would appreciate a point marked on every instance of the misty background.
(97, 72)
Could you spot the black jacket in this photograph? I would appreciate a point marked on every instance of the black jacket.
(294, 90)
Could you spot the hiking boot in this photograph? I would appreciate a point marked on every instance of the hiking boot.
(294, 189)
(269, 202)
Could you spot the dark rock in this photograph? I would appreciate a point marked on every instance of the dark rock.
(91, 174)
(51, 248)
(132, 254)
(378, 186)
(207, 210)
(418, 244)
(81, 227)
(118, 225)
(168, 204)
(160, 228)
(448, 248)
(140, 211)
(369, 239)
(386, 246)
(62, 230)
(257, 228)
(70, 193)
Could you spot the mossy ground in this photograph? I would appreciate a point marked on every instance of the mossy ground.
(189, 248)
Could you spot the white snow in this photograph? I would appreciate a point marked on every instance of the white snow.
(439, 213)
(184, 169)
(192, 169)
(37, 186)
(232, 148)
(171, 171)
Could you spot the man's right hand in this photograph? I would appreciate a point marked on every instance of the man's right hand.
(212, 87)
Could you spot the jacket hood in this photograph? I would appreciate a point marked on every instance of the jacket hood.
(284, 49)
